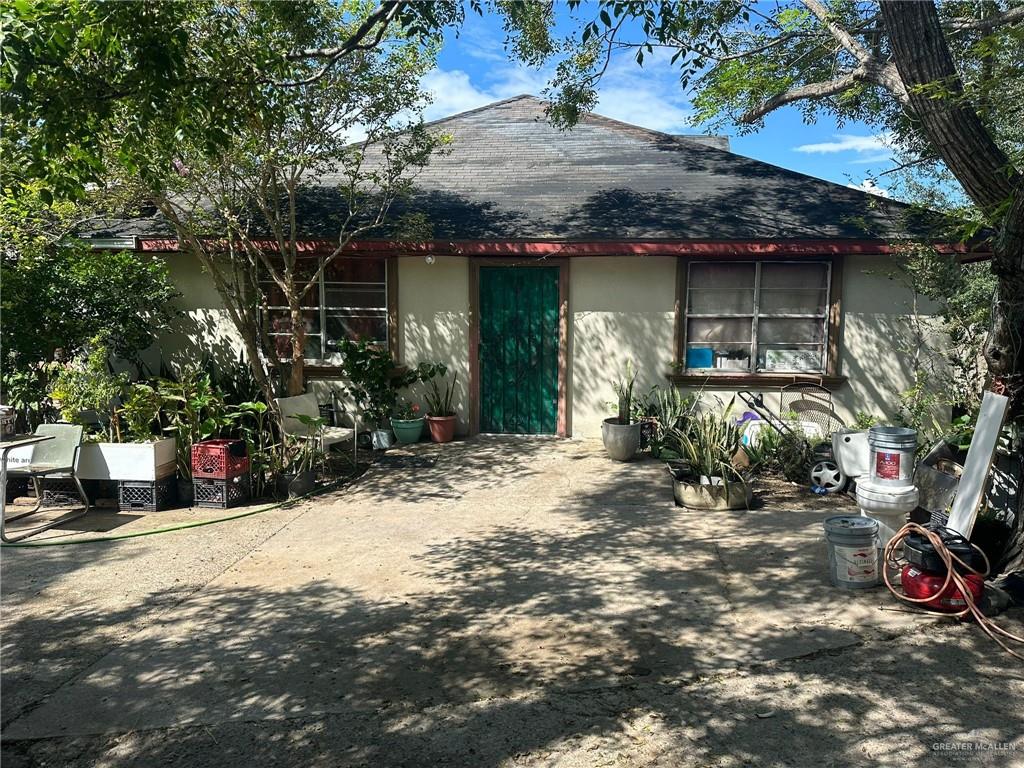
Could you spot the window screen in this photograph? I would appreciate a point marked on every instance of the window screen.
(757, 316)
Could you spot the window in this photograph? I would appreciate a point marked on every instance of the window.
(349, 302)
(757, 317)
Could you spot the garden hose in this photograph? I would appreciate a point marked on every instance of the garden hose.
(990, 628)
(170, 528)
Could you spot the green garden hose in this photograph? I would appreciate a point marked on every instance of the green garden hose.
(168, 529)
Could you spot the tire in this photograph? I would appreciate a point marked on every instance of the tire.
(826, 474)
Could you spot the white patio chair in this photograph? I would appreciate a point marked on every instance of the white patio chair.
(306, 405)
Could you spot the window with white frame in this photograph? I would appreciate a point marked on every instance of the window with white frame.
(350, 301)
(757, 316)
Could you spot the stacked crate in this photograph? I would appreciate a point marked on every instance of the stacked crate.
(220, 473)
(145, 495)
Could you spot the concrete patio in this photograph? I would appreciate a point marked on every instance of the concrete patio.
(515, 602)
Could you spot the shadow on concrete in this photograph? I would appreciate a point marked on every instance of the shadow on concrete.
(630, 626)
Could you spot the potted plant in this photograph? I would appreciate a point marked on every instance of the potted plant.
(707, 476)
(302, 456)
(253, 426)
(194, 410)
(670, 410)
(621, 435)
(373, 383)
(122, 418)
(441, 417)
(407, 423)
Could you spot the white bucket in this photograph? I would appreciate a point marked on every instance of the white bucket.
(853, 553)
(892, 455)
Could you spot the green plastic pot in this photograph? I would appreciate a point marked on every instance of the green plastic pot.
(408, 430)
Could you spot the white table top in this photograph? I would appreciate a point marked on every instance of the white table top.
(19, 440)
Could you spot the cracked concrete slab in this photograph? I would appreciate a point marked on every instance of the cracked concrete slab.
(511, 579)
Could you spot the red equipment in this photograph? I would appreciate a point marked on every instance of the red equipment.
(921, 585)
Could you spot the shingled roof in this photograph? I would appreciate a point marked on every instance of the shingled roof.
(511, 175)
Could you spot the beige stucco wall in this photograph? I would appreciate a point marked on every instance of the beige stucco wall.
(622, 311)
(433, 325)
(204, 326)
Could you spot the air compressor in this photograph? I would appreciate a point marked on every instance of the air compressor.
(924, 577)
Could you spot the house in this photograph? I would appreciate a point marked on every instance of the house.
(558, 257)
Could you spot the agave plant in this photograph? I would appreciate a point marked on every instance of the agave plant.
(708, 443)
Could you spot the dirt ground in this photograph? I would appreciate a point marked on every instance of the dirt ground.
(497, 602)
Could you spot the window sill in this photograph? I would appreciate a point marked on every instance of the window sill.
(321, 371)
(753, 379)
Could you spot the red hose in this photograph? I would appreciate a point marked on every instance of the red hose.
(990, 628)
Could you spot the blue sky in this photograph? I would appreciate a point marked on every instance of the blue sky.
(474, 70)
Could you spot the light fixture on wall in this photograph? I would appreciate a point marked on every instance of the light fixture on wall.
(429, 259)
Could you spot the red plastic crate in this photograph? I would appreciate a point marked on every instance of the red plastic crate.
(219, 459)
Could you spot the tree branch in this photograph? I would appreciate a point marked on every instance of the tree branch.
(381, 18)
(953, 127)
(1012, 16)
(842, 36)
(809, 91)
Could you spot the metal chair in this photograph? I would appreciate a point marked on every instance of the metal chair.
(812, 403)
(54, 458)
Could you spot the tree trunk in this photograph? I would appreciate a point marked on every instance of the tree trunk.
(956, 131)
(297, 372)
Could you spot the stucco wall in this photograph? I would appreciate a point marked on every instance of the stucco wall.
(204, 326)
(433, 301)
(622, 311)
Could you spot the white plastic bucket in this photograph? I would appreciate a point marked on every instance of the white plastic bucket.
(853, 553)
(892, 455)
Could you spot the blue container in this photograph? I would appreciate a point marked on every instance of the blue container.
(700, 357)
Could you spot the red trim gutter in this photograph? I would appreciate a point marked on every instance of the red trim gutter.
(541, 249)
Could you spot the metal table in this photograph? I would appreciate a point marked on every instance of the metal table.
(6, 446)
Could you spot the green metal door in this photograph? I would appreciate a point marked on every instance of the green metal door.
(519, 350)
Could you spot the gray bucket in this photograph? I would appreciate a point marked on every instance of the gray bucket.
(853, 553)
(892, 455)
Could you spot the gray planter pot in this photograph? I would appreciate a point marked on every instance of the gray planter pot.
(294, 486)
(711, 493)
(621, 441)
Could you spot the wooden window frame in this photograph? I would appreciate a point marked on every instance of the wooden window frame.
(829, 378)
(321, 369)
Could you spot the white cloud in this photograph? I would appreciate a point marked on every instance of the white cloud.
(645, 107)
(845, 142)
(869, 185)
(650, 96)
(451, 92)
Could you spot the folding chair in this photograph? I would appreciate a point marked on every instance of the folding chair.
(53, 458)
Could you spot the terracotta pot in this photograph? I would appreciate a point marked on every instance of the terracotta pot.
(442, 428)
